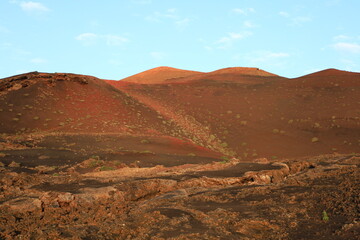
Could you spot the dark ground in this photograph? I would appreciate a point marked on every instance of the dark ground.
(43, 196)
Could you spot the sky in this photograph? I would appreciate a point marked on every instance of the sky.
(114, 39)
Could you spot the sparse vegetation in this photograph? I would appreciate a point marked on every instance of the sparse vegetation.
(325, 216)
(275, 130)
(146, 152)
(314, 139)
(14, 164)
(225, 159)
(106, 168)
(224, 144)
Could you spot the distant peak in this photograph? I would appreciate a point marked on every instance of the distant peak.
(330, 72)
(245, 71)
(165, 68)
(159, 75)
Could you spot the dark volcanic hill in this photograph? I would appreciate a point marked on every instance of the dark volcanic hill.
(60, 102)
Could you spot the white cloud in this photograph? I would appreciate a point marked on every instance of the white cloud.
(3, 29)
(300, 20)
(268, 57)
(89, 39)
(114, 40)
(183, 23)
(158, 55)
(21, 52)
(341, 37)
(284, 14)
(38, 60)
(350, 65)
(227, 41)
(95, 23)
(332, 3)
(21, 71)
(170, 14)
(142, 1)
(159, 17)
(115, 62)
(248, 24)
(347, 47)
(243, 11)
(33, 7)
(171, 10)
(295, 20)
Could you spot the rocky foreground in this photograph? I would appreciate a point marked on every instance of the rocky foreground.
(308, 198)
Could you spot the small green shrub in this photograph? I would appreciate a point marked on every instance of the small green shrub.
(147, 152)
(95, 157)
(224, 144)
(225, 159)
(107, 168)
(325, 216)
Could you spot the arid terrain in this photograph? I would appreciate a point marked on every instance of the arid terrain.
(237, 153)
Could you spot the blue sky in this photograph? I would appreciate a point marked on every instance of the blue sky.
(114, 39)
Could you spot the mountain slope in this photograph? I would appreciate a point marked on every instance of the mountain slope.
(71, 103)
(242, 112)
(263, 115)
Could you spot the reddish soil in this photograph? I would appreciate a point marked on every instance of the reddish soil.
(237, 153)
(271, 118)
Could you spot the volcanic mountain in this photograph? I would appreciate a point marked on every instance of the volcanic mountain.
(329, 78)
(255, 113)
(237, 153)
(173, 75)
(234, 74)
(71, 103)
(159, 75)
(242, 112)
